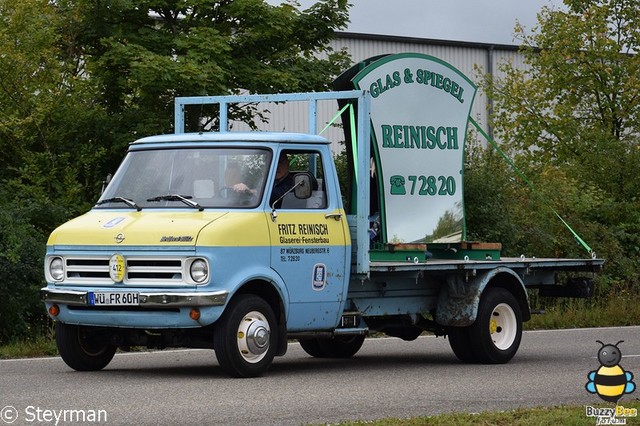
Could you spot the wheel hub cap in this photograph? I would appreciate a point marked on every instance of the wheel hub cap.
(258, 337)
(503, 326)
(493, 326)
(254, 337)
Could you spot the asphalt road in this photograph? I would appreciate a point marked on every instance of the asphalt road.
(387, 378)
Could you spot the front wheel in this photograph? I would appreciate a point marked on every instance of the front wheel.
(245, 337)
(81, 349)
(495, 335)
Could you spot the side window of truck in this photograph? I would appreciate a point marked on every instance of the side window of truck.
(308, 164)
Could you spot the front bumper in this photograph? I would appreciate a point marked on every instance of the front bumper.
(146, 298)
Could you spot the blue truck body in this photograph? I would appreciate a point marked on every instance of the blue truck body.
(167, 258)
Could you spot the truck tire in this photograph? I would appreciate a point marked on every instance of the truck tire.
(312, 347)
(341, 346)
(460, 343)
(79, 351)
(335, 347)
(245, 337)
(495, 335)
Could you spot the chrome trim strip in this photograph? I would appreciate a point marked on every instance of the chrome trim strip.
(79, 298)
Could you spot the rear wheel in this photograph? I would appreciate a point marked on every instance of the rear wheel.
(312, 347)
(335, 347)
(495, 335)
(461, 344)
(81, 349)
(245, 337)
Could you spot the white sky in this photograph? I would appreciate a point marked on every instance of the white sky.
(484, 21)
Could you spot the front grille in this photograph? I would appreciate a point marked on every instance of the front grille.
(138, 271)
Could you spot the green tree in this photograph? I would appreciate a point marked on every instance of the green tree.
(570, 119)
(80, 79)
(577, 103)
(143, 54)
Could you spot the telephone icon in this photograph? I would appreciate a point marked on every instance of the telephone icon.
(397, 185)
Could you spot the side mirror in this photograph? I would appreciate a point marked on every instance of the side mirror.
(302, 186)
(301, 189)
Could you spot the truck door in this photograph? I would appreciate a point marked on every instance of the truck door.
(309, 239)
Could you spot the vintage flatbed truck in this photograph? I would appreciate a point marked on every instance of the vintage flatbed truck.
(188, 247)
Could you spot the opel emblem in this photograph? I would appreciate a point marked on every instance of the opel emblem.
(119, 238)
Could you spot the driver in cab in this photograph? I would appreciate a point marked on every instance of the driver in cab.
(284, 182)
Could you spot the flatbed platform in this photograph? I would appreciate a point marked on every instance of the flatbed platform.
(529, 264)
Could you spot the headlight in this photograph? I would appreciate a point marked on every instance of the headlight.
(199, 271)
(56, 268)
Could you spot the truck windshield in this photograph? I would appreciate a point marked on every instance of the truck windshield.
(189, 178)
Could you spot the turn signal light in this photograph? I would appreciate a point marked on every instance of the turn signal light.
(54, 310)
(194, 314)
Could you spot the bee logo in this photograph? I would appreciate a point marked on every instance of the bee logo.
(610, 381)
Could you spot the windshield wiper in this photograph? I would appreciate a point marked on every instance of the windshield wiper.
(176, 197)
(127, 201)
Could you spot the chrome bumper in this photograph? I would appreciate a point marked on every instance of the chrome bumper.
(148, 299)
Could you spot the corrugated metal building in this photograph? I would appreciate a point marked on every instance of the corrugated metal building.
(468, 57)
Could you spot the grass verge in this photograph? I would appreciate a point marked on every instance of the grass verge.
(36, 346)
(543, 416)
(619, 310)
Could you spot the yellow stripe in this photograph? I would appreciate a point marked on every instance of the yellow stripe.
(616, 370)
(610, 390)
(160, 228)
(231, 229)
(309, 228)
(237, 230)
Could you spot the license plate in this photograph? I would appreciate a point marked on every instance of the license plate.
(120, 298)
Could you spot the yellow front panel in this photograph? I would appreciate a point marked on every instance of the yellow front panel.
(134, 228)
(237, 229)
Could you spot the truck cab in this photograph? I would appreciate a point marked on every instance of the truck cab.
(188, 226)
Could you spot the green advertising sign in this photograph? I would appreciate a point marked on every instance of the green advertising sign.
(420, 108)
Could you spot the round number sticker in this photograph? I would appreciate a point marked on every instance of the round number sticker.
(116, 268)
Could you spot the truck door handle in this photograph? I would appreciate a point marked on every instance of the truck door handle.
(336, 216)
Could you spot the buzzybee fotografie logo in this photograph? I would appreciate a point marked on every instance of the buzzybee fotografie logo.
(610, 382)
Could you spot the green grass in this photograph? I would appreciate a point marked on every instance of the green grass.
(620, 310)
(32, 347)
(543, 416)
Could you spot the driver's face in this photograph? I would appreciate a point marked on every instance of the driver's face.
(283, 167)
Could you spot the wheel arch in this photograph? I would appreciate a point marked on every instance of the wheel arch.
(267, 291)
(459, 299)
(514, 285)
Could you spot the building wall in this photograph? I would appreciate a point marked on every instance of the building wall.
(471, 59)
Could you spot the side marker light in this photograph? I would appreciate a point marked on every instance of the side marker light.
(54, 310)
(194, 314)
